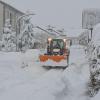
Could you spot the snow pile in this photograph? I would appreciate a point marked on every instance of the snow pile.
(76, 78)
(77, 75)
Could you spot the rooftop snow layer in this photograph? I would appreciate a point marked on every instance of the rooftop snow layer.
(13, 5)
(94, 10)
(75, 32)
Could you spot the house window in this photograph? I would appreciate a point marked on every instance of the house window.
(11, 17)
(7, 14)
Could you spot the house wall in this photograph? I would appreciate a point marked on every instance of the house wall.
(12, 15)
(8, 12)
(1, 19)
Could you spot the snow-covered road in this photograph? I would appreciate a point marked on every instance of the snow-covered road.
(75, 77)
(23, 78)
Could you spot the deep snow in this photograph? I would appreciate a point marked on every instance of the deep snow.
(23, 78)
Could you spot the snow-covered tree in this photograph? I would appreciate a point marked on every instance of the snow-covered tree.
(8, 38)
(56, 32)
(94, 59)
(26, 37)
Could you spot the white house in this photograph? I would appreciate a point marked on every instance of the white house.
(8, 12)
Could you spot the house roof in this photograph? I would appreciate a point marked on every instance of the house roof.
(4, 3)
(75, 32)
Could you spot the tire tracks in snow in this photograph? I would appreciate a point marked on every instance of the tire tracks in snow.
(64, 94)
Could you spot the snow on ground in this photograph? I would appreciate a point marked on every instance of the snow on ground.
(76, 76)
(31, 64)
(20, 85)
(23, 78)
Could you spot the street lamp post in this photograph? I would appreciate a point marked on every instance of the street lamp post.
(92, 20)
(91, 34)
(91, 29)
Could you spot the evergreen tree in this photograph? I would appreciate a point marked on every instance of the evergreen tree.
(26, 38)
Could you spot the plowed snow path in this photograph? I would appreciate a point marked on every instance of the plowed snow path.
(76, 77)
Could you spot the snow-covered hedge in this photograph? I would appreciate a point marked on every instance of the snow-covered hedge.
(8, 42)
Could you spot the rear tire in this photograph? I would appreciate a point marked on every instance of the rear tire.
(68, 60)
(47, 67)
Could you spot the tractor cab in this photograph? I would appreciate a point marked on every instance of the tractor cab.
(56, 46)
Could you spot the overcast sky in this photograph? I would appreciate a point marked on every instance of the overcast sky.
(60, 13)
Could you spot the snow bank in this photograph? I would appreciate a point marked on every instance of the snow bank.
(77, 75)
(76, 79)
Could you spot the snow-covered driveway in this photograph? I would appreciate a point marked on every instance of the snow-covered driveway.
(23, 78)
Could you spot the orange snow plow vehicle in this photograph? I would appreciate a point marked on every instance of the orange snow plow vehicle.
(57, 54)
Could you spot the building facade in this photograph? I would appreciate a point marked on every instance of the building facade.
(8, 12)
(90, 17)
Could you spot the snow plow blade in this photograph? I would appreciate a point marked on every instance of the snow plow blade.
(54, 61)
(56, 58)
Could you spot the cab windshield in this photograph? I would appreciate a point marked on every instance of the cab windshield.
(57, 43)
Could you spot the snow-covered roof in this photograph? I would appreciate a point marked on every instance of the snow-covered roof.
(4, 2)
(75, 32)
(94, 10)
